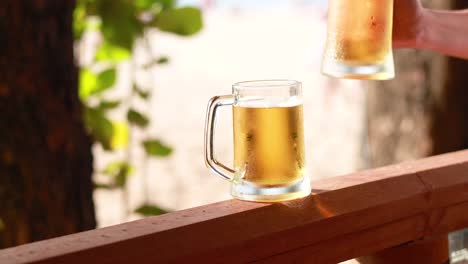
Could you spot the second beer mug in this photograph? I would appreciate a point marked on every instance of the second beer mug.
(269, 158)
(359, 40)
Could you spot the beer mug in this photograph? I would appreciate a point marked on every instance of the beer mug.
(269, 161)
(359, 40)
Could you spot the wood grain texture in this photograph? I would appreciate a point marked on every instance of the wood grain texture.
(345, 217)
(427, 251)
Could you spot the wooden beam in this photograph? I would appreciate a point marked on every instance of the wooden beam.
(427, 251)
(345, 217)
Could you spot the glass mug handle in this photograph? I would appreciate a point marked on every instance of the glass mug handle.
(210, 126)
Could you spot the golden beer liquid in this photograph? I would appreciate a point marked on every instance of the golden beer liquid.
(359, 40)
(361, 30)
(269, 145)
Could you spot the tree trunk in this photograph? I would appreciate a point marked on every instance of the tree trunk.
(45, 153)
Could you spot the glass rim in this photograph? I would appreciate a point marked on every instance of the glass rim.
(266, 84)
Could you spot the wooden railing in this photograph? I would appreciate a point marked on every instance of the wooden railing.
(346, 217)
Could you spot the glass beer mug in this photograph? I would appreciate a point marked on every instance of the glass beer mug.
(359, 40)
(269, 161)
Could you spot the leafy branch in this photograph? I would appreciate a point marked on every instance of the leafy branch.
(120, 24)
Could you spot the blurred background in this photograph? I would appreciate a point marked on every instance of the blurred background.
(119, 136)
(236, 41)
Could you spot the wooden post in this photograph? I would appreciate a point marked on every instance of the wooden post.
(428, 251)
(449, 126)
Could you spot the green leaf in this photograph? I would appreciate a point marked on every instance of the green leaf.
(145, 5)
(99, 126)
(159, 61)
(120, 24)
(143, 94)
(105, 80)
(149, 209)
(107, 105)
(156, 148)
(137, 118)
(162, 60)
(79, 19)
(88, 82)
(120, 137)
(119, 171)
(91, 84)
(121, 178)
(183, 21)
(84, 19)
(114, 167)
(104, 186)
(112, 53)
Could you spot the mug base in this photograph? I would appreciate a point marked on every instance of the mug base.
(246, 191)
(342, 69)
